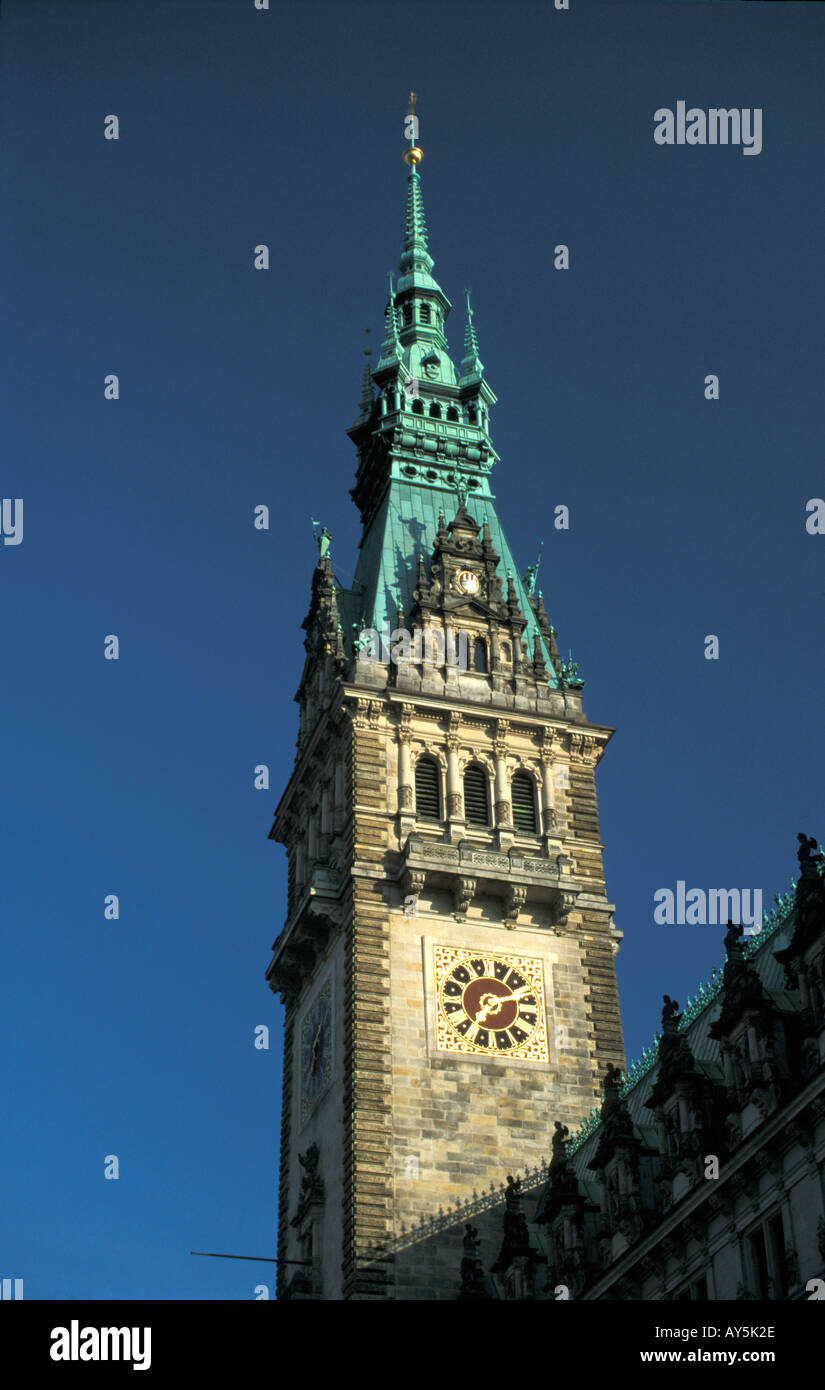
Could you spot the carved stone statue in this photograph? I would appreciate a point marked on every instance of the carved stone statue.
(733, 937)
(670, 1011)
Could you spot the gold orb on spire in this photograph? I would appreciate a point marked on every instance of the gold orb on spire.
(413, 155)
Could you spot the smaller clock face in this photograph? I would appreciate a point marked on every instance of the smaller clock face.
(316, 1052)
(468, 582)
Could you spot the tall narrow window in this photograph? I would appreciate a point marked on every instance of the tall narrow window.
(425, 313)
(777, 1241)
(759, 1263)
(435, 411)
(524, 803)
(407, 315)
(480, 655)
(476, 802)
(427, 791)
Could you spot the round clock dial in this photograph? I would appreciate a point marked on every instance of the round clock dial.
(316, 1051)
(490, 1004)
(468, 582)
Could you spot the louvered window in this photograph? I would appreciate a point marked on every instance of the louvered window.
(425, 313)
(427, 798)
(524, 803)
(479, 655)
(475, 796)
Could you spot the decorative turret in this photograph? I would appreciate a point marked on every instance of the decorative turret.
(472, 364)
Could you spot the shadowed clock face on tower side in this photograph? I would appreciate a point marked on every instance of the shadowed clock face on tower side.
(490, 1003)
(316, 1052)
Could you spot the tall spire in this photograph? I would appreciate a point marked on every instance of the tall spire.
(416, 262)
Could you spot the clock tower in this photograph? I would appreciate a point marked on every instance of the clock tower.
(446, 963)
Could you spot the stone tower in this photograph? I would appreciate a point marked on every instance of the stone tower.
(447, 959)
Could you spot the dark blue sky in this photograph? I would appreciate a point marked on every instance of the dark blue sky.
(134, 777)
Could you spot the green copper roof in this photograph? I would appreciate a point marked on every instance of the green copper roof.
(404, 527)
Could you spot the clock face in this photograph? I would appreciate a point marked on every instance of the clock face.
(316, 1051)
(468, 582)
(490, 1003)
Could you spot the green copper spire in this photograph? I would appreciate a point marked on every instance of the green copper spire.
(415, 223)
(391, 346)
(367, 397)
(472, 365)
(425, 456)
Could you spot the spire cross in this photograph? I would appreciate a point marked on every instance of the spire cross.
(413, 154)
(414, 122)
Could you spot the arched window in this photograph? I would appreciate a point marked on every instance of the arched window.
(435, 411)
(427, 789)
(476, 801)
(425, 313)
(452, 413)
(480, 655)
(418, 407)
(471, 414)
(524, 803)
(505, 651)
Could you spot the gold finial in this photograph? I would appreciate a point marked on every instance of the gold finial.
(413, 155)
